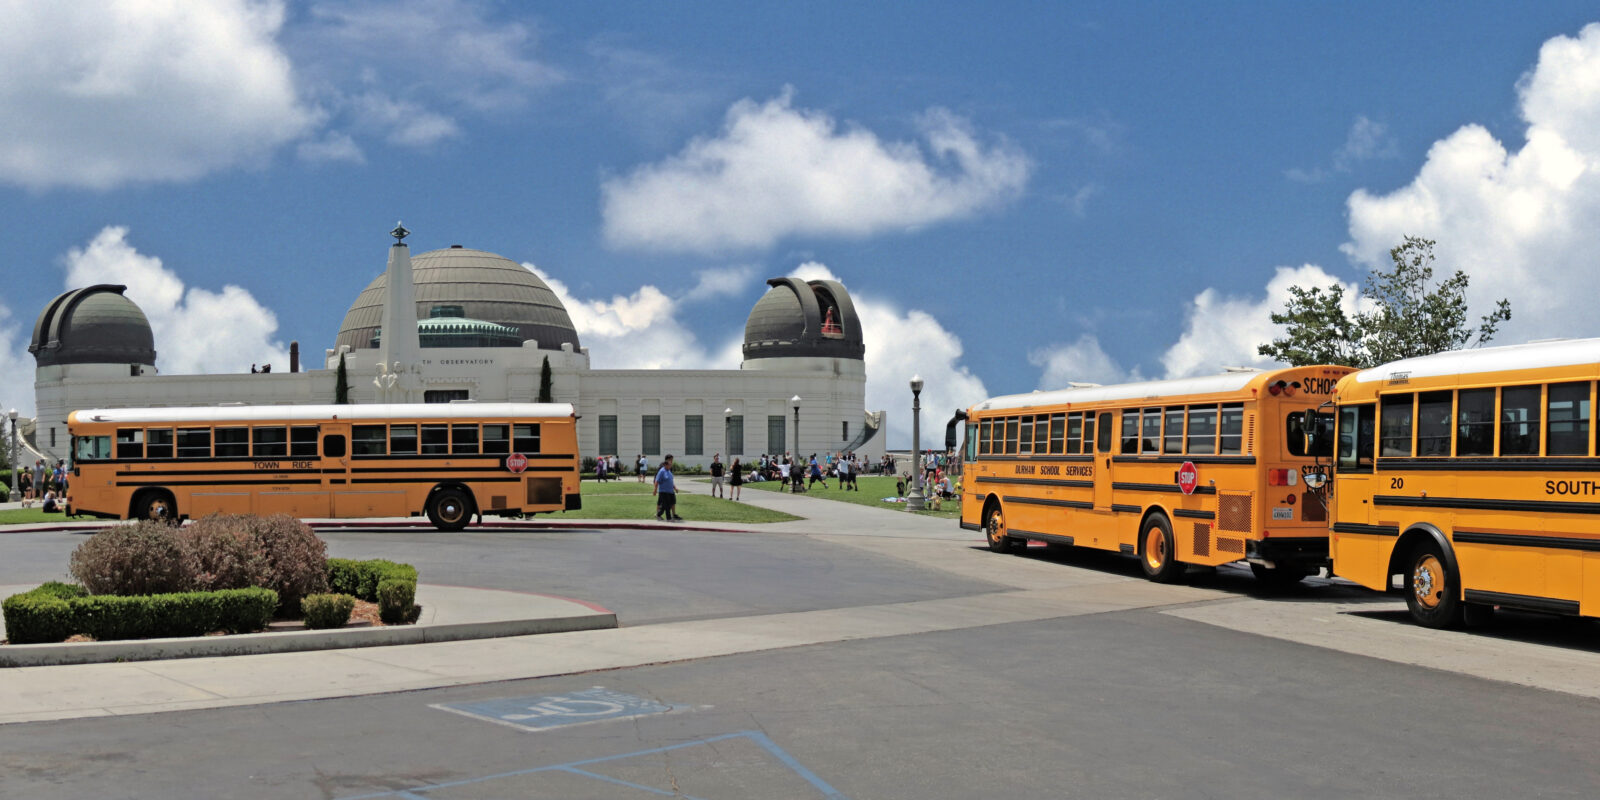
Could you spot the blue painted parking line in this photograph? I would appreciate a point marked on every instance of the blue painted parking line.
(543, 712)
(575, 768)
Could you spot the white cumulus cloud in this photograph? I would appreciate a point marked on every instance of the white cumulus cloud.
(902, 343)
(196, 330)
(775, 171)
(1082, 361)
(16, 363)
(100, 93)
(1520, 222)
(642, 330)
(1225, 331)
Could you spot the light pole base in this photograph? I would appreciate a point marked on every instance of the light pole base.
(915, 501)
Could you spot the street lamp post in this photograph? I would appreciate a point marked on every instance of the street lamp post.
(727, 431)
(12, 483)
(795, 401)
(915, 501)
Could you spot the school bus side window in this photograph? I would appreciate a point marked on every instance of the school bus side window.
(1567, 414)
(1058, 427)
(369, 440)
(1356, 425)
(525, 438)
(1172, 442)
(1025, 439)
(1231, 429)
(130, 443)
(1519, 420)
(1475, 422)
(1011, 436)
(1130, 431)
(303, 441)
(270, 442)
(1202, 430)
(158, 443)
(1394, 425)
(1102, 441)
(194, 443)
(1075, 433)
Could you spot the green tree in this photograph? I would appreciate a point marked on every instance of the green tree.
(546, 383)
(1407, 316)
(341, 385)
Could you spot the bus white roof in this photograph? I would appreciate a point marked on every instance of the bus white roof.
(1227, 382)
(380, 411)
(1534, 355)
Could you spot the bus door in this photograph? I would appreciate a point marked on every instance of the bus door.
(1102, 462)
(1352, 497)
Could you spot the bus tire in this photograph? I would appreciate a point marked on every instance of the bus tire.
(155, 505)
(449, 510)
(1158, 554)
(1278, 578)
(1433, 592)
(994, 529)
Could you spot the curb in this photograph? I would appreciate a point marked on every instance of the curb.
(46, 655)
(332, 525)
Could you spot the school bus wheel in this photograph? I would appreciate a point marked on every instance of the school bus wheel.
(155, 505)
(1432, 593)
(994, 528)
(1158, 555)
(449, 509)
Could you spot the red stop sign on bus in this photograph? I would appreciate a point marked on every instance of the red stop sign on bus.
(516, 462)
(1188, 477)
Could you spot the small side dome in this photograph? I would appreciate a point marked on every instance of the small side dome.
(93, 325)
(804, 319)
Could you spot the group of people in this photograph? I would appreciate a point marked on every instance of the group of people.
(44, 485)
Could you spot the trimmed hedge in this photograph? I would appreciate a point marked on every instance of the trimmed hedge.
(53, 612)
(392, 586)
(327, 610)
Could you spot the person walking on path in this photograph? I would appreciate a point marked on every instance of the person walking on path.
(666, 492)
(737, 479)
(716, 476)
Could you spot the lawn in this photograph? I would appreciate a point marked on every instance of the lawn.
(18, 516)
(629, 499)
(873, 489)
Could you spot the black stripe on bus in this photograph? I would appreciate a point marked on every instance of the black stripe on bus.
(1519, 540)
(1548, 605)
(1159, 487)
(1484, 504)
(314, 457)
(1551, 464)
(1193, 513)
(1037, 482)
(1365, 530)
(1039, 457)
(970, 526)
(1040, 501)
(501, 456)
(311, 482)
(1122, 509)
(436, 479)
(1173, 459)
(1051, 538)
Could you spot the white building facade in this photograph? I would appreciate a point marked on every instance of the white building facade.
(482, 330)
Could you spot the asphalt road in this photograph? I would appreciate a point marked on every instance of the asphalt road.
(1138, 703)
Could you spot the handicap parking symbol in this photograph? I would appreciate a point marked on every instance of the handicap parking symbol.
(543, 712)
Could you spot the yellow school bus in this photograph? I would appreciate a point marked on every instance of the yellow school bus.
(448, 461)
(1469, 480)
(1202, 471)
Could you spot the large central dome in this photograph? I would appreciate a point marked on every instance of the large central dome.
(481, 286)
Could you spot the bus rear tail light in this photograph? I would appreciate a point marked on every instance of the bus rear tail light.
(1281, 477)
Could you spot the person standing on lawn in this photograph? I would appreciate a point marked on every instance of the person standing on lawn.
(666, 492)
(737, 480)
(716, 477)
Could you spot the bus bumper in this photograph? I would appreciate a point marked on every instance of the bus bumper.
(1310, 552)
(574, 502)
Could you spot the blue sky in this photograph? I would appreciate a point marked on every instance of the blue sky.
(1017, 194)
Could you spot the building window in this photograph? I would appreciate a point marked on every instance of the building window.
(444, 395)
(775, 427)
(650, 432)
(694, 429)
(844, 431)
(608, 435)
(736, 435)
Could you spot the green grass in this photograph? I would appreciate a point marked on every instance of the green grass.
(614, 502)
(18, 516)
(873, 489)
